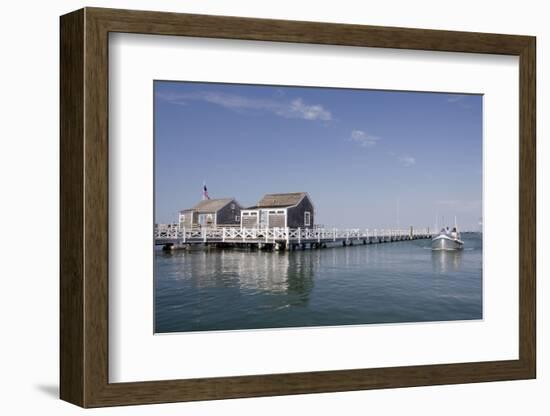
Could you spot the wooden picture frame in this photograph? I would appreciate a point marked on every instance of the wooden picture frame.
(84, 207)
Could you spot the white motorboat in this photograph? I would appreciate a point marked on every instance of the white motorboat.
(447, 240)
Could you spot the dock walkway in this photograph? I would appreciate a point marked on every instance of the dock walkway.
(171, 235)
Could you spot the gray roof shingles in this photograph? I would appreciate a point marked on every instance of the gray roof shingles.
(210, 205)
(280, 200)
(268, 201)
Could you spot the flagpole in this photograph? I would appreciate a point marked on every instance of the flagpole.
(205, 195)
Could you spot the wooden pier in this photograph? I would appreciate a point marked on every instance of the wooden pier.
(172, 236)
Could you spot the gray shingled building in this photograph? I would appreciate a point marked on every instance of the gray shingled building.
(212, 213)
(293, 210)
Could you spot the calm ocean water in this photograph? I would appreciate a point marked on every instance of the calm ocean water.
(204, 290)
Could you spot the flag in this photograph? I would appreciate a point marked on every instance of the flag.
(205, 192)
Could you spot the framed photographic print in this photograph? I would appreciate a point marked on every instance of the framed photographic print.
(255, 207)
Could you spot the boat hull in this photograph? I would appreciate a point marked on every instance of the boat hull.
(443, 242)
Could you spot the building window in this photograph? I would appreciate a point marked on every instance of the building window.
(237, 218)
(182, 217)
(307, 218)
(233, 206)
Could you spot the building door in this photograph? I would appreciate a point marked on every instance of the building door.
(263, 218)
(206, 220)
(202, 219)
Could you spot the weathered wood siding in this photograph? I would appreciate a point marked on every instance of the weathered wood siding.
(227, 215)
(296, 217)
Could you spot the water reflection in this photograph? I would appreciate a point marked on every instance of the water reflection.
(276, 273)
(225, 289)
(444, 261)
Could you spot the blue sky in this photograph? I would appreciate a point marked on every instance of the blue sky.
(367, 158)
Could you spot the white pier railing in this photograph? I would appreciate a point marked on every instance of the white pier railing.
(173, 233)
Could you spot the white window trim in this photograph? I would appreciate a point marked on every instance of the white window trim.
(307, 218)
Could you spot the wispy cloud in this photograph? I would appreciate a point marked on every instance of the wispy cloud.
(295, 108)
(459, 99)
(406, 161)
(363, 139)
(299, 109)
(454, 98)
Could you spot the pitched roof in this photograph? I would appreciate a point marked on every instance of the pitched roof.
(211, 205)
(281, 200)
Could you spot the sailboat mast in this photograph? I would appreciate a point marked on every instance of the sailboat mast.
(398, 213)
